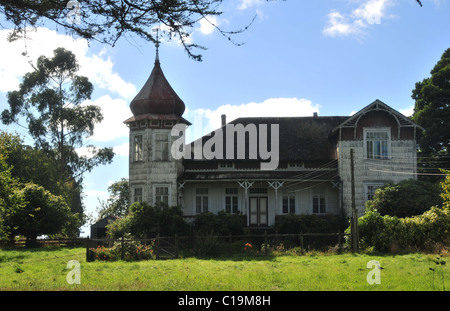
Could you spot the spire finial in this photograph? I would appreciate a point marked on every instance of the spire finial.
(157, 44)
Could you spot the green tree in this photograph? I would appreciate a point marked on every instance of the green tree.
(432, 108)
(10, 197)
(50, 100)
(118, 202)
(445, 184)
(144, 219)
(42, 214)
(405, 199)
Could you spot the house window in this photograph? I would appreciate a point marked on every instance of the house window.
(138, 148)
(289, 204)
(201, 200)
(161, 147)
(137, 194)
(377, 143)
(370, 190)
(231, 200)
(319, 204)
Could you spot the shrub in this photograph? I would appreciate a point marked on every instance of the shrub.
(295, 224)
(405, 199)
(143, 219)
(421, 232)
(221, 223)
(209, 245)
(132, 251)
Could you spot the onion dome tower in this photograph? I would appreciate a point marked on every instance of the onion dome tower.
(157, 100)
(153, 170)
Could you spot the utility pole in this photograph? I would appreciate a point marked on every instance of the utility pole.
(354, 223)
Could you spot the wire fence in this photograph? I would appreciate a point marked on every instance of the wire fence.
(262, 244)
(228, 245)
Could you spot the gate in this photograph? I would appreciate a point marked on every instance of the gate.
(166, 248)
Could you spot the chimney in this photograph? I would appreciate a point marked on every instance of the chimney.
(224, 120)
(315, 114)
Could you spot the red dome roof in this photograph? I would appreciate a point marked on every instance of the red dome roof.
(157, 96)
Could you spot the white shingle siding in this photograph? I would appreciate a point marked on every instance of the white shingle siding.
(400, 166)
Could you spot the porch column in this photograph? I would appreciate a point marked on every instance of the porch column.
(275, 185)
(246, 185)
(181, 194)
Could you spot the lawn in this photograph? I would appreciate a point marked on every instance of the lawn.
(46, 269)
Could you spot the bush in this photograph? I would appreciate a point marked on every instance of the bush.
(407, 198)
(295, 224)
(221, 223)
(143, 219)
(209, 245)
(132, 251)
(422, 232)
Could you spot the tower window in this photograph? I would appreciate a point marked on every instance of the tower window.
(137, 194)
(138, 150)
(161, 147)
(162, 195)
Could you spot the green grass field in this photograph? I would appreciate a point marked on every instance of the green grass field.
(46, 269)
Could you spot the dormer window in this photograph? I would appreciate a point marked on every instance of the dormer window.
(226, 165)
(296, 164)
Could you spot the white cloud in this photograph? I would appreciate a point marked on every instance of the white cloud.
(207, 25)
(245, 4)
(339, 25)
(372, 11)
(122, 150)
(114, 111)
(102, 195)
(368, 13)
(407, 112)
(42, 41)
(272, 107)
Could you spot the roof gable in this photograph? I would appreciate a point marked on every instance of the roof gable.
(377, 105)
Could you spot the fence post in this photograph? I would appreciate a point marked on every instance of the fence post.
(265, 242)
(301, 243)
(122, 249)
(157, 246)
(176, 245)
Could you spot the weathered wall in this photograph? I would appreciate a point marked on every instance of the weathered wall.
(401, 165)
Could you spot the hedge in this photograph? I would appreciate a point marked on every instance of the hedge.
(423, 232)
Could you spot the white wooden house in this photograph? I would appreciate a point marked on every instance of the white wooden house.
(313, 172)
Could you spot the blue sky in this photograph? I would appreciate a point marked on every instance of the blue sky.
(298, 57)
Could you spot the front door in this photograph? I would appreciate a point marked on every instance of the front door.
(258, 211)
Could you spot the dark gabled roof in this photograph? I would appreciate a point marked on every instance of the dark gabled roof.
(300, 138)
